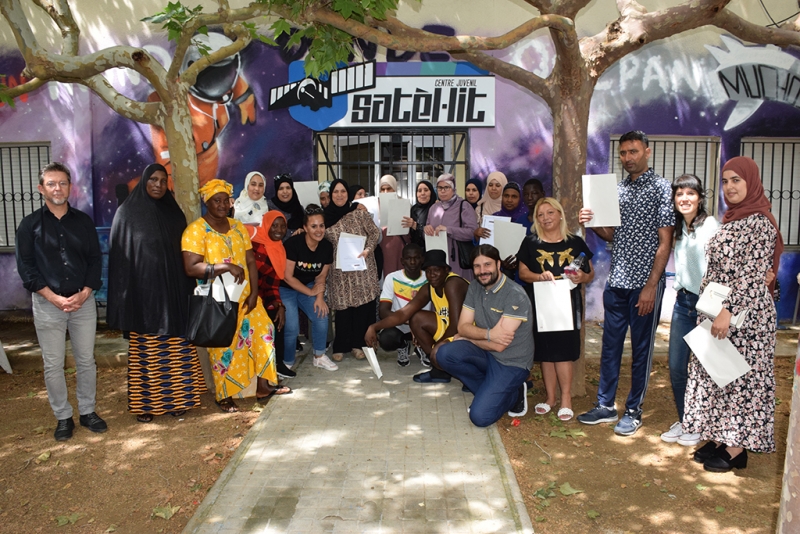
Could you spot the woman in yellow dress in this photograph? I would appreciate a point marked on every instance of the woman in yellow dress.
(215, 244)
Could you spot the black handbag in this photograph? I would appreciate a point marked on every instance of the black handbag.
(464, 248)
(211, 323)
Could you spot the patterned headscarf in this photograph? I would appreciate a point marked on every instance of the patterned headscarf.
(213, 187)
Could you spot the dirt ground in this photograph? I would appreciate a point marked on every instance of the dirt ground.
(150, 478)
(639, 483)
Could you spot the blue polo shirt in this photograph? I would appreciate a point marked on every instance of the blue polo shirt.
(645, 205)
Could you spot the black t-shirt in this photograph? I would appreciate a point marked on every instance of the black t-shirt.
(307, 263)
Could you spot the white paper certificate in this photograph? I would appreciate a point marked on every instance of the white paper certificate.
(371, 203)
(372, 358)
(348, 250)
(508, 237)
(307, 193)
(437, 242)
(396, 209)
(553, 305)
(384, 200)
(600, 196)
(488, 223)
(722, 361)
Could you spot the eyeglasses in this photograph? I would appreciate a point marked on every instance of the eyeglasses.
(443, 187)
(52, 185)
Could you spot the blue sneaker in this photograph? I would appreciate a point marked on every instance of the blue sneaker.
(598, 414)
(629, 424)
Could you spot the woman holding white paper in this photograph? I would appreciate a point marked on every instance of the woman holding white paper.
(351, 293)
(693, 229)
(543, 258)
(741, 415)
(391, 245)
(454, 215)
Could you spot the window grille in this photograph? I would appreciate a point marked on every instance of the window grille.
(672, 156)
(779, 162)
(363, 157)
(19, 178)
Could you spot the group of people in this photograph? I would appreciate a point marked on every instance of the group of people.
(468, 315)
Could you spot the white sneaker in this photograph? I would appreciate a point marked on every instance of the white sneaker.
(689, 440)
(673, 434)
(323, 362)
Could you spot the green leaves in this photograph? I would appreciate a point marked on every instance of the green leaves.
(573, 433)
(165, 512)
(63, 520)
(593, 514)
(567, 490)
(175, 18)
(546, 491)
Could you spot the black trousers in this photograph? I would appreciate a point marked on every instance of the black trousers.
(351, 326)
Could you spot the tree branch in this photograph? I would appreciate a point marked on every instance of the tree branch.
(65, 22)
(145, 112)
(636, 28)
(754, 33)
(523, 77)
(189, 76)
(23, 88)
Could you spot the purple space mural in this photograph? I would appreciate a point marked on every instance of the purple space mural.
(668, 88)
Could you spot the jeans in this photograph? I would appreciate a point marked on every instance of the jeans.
(294, 301)
(684, 320)
(51, 328)
(620, 312)
(496, 386)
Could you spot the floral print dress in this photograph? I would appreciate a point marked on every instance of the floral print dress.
(252, 351)
(742, 414)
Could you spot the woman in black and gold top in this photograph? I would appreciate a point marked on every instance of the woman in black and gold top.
(542, 257)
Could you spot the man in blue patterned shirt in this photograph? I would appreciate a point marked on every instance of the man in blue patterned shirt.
(632, 296)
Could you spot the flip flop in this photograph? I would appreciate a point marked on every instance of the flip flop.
(337, 356)
(277, 391)
(565, 414)
(145, 418)
(426, 378)
(358, 354)
(178, 413)
(542, 408)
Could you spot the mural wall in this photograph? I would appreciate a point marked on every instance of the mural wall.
(670, 88)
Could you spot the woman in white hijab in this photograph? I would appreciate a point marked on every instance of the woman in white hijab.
(492, 200)
(391, 246)
(251, 205)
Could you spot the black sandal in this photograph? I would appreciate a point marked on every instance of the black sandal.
(227, 405)
(145, 418)
(179, 413)
(275, 391)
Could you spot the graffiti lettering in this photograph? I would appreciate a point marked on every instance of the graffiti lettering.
(420, 107)
(763, 82)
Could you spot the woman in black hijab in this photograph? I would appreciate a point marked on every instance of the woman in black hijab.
(148, 298)
(426, 197)
(286, 201)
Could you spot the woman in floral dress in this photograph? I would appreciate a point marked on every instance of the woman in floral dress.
(215, 244)
(741, 415)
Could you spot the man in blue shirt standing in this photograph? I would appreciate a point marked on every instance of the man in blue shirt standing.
(59, 261)
(635, 286)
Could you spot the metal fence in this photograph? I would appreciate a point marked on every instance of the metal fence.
(19, 178)
(363, 157)
(779, 162)
(673, 156)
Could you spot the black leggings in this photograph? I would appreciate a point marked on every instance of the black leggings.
(351, 327)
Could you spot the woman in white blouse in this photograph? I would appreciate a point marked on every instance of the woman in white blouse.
(693, 228)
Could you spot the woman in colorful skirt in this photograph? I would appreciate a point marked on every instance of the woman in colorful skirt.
(148, 297)
(215, 244)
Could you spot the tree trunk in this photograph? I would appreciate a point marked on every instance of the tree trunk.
(570, 131)
(182, 155)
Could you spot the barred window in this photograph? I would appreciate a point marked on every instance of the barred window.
(778, 160)
(363, 157)
(19, 178)
(672, 156)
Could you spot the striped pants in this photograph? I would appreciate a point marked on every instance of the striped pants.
(620, 312)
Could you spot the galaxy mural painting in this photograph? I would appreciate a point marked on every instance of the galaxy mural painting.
(676, 87)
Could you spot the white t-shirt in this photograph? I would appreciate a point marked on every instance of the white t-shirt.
(400, 289)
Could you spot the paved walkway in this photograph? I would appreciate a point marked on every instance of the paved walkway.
(347, 452)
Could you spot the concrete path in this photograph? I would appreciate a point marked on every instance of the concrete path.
(347, 452)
